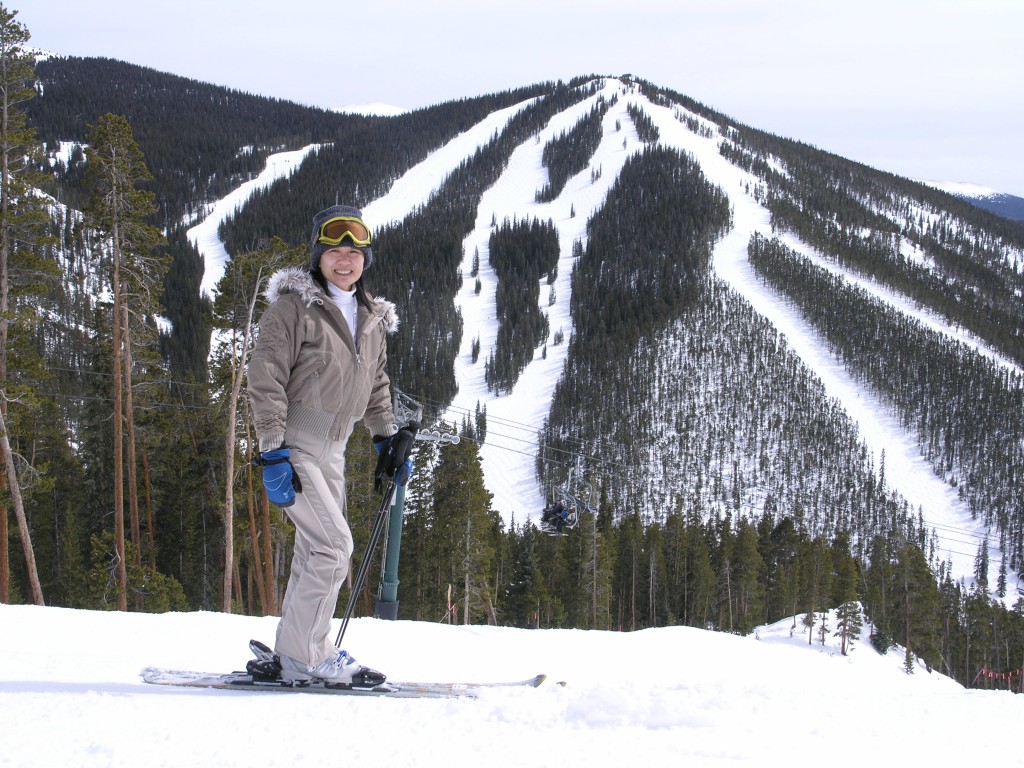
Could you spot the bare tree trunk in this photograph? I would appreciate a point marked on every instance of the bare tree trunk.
(229, 518)
(129, 418)
(465, 589)
(632, 590)
(265, 569)
(652, 590)
(255, 549)
(906, 623)
(133, 474)
(5, 562)
(150, 529)
(250, 587)
(229, 493)
(728, 590)
(19, 512)
(119, 550)
(237, 367)
(238, 586)
(596, 577)
(280, 561)
(270, 573)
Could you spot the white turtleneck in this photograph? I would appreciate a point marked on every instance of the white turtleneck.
(346, 301)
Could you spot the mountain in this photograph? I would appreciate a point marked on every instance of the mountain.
(739, 352)
(999, 203)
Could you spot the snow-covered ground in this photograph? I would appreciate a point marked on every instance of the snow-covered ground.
(71, 695)
(514, 419)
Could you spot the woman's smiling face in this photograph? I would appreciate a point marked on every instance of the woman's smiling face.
(342, 266)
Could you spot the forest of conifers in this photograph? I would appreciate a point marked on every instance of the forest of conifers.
(729, 490)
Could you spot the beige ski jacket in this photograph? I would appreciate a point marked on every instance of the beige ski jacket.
(308, 373)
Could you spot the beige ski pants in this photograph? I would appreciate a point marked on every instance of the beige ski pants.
(323, 548)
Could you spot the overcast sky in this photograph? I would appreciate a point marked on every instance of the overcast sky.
(929, 89)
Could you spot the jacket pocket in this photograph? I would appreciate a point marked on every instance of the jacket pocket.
(304, 385)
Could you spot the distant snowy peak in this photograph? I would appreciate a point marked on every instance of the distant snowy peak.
(1000, 203)
(964, 188)
(38, 54)
(374, 109)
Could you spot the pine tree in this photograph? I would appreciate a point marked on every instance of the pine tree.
(117, 209)
(21, 222)
(629, 572)
(981, 564)
(850, 623)
(464, 531)
(525, 588)
(919, 599)
(700, 578)
(654, 547)
(878, 593)
(596, 573)
(846, 576)
(747, 568)
(815, 587)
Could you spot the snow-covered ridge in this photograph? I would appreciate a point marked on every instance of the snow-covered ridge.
(375, 109)
(965, 189)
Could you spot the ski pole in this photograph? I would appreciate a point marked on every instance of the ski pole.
(364, 565)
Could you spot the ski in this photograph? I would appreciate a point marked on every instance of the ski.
(243, 681)
(262, 674)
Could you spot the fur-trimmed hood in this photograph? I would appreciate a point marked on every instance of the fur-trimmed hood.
(299, 281)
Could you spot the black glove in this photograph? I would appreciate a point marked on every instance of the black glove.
(279, 477)
(393, 455)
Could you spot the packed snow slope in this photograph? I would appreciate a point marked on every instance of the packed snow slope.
(513, 419)
(71, 695)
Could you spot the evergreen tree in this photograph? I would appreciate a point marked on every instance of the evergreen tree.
(629, 581)
(877, 595)
(783, 544)
(700, 579)
(525, 589)
(118, 208)
(464, 533)
(816, 582)
(747, 568)
(846, 577)
(848, 615)
(657, 602)
(918, 593)
(596, 573)
(981, 564)
(978, 633)
(21, 222)
(950, 602)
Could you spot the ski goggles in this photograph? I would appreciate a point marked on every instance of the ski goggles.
(333, 231)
